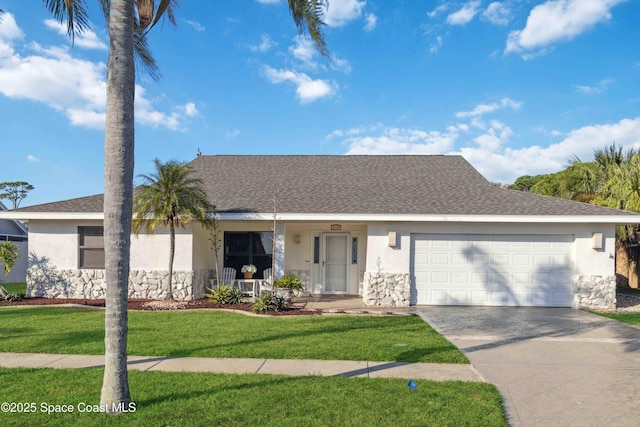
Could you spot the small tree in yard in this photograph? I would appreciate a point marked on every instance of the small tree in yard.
(15, 191)
(8, 258)
(172, 197)
(214, 229)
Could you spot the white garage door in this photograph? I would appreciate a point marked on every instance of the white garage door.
(477, 269)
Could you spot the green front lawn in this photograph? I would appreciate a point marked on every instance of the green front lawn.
(15, 288)
(197, 399)
(631, 318)
(223, 334)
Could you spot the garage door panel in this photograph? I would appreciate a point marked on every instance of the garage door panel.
(440, 259)
(500, 259)
(521, 259)
(492, 269)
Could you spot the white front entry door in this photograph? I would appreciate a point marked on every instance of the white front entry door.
(336, 262)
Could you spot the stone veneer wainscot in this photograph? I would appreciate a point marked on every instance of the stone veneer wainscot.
(91, 284)
(386, 289)
(594, 292)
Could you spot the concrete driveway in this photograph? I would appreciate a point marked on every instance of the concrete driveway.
(553, 366)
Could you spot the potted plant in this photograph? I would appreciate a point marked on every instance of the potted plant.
(248, 271)
(287, 284)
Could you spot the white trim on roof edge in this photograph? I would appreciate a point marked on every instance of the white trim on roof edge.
(585, 219)
(562, 219)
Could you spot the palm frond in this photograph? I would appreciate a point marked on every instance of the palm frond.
(308, 17)
(170, 195)
(145, 62)
(72, 12)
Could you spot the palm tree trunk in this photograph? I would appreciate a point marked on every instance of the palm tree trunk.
(118, 181)
(172, 251)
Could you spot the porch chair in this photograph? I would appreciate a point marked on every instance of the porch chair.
(267, 280)
(228, 276)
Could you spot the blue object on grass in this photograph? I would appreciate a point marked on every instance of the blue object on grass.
(412, 385)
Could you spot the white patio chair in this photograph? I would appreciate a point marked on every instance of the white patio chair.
(228, 276)
(267, 280)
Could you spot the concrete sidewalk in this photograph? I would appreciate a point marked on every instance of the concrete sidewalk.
(345, 368)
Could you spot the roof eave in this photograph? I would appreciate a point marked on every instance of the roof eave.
(349, 217)
(26, 215)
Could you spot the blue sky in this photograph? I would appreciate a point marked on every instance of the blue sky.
(516, 87)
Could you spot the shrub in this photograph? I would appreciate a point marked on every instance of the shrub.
(267, 302)
(225, 295)
(290, 281)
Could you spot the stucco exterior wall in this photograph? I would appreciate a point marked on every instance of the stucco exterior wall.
(382, 258)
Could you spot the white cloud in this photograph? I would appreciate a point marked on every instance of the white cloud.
(9, 29)
(488, 151)
(494, 137)
(507, 164)
(436, 45)
(196, 25)
(232, 134)
(304, 51)
(402, 141)
(497, 13)
(597, 88)
(75, 87)
(370, 22)
(437, 11)
(341, 12)
(268, 1)
(33, 159)
(341, 65)
(558, 20)
(465, 14)
(265, 44)
(307, 89)
(481, 109)
(87, 40)
(190, 109)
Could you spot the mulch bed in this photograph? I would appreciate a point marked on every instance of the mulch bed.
(157, 305)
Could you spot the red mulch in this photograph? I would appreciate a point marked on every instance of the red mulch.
(139, 304)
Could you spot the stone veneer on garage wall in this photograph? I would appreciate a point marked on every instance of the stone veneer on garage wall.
(90, 284)
(386, 289)
(594, 292)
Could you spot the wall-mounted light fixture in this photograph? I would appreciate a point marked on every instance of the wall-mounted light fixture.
(296, 238)
(392, 239)
(596, 241)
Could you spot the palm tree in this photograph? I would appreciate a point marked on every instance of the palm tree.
(171, 197)
(128, 22)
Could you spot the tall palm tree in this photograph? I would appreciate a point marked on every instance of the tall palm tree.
(171, 197)
(128, 22)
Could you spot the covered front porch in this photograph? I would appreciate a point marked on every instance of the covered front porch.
(329, 258)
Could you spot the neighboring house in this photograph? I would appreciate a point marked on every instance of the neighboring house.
(14, 231)
(397, 230)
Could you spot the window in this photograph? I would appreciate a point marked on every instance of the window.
(242, 248)
(91, 245)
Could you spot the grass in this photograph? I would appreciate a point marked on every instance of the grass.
(630, 318)
(15, 288)
(195, 399)
(223, 334)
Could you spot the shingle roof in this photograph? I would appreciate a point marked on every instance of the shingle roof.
(425, 185)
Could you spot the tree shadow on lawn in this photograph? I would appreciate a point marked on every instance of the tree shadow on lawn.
(66, 342)
(407, 356)
(238, 385)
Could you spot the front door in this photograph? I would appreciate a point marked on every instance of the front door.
(336, 266)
